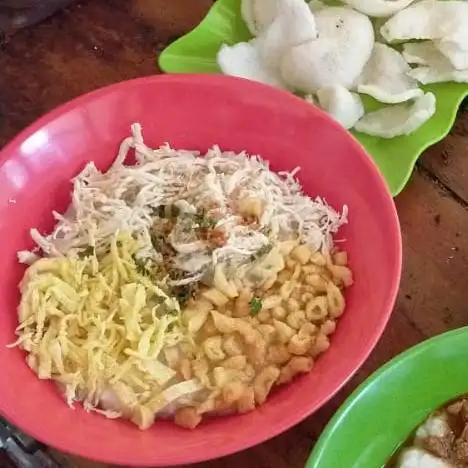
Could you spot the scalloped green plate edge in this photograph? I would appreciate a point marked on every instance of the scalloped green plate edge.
(196, 53)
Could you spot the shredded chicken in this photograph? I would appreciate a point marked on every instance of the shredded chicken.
(126, 197)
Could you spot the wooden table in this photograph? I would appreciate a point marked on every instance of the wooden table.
(81, 49)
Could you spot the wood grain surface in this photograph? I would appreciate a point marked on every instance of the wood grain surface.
(99, 42)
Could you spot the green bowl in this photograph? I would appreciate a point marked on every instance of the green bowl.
(378, 417)
(196, 53)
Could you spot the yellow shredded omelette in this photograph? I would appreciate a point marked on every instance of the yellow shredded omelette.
(97, 326)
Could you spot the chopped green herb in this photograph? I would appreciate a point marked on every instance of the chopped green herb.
(255, 306)
(176, 274)
(87, 252)
(119, 243)
(206, 223)
(141, 267)
(184, 294)
(265, 249)
(203, 221)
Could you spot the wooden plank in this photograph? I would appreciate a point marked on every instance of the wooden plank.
(434, 281)
(447, 160)
(85, 47)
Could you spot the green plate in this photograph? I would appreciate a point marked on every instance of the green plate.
(388, 406)
(196, 53)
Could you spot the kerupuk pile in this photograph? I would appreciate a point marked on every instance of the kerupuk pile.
(334, 54)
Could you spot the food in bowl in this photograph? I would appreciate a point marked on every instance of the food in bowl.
(409, 394)
(181, 286)
(441, 441)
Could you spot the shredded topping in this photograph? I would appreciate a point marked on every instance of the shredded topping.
(220, 185)
(149, 296)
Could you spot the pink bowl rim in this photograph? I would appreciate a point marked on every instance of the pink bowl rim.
(291, 419)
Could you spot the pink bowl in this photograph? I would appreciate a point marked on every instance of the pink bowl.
(193, 112)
